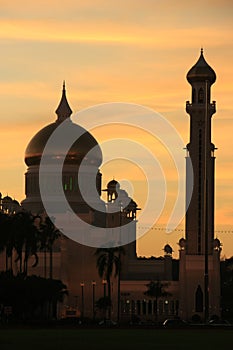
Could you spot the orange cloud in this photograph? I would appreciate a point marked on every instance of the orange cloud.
(106, 31)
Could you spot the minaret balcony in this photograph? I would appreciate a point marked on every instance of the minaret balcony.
(190, 107)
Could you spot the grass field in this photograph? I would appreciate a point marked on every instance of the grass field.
(120, 339)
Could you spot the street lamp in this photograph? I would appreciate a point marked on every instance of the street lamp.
(76, 301)
(104, 282)
(82, 294)
(93, 298)
(119, 267)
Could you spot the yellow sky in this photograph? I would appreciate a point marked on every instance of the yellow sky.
(136, 51)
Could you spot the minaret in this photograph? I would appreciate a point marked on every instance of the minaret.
(199, 272)
(200, 154)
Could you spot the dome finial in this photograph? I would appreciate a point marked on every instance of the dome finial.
(63, 111)
(201, 50)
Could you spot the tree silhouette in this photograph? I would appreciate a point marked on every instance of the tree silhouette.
(25, 239)
(18, 236)
(5, 238)
(156, 290)
(103, 304)
(31, 297)
(109, 263)
(48, 233)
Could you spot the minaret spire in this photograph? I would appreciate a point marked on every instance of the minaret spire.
(63, 110)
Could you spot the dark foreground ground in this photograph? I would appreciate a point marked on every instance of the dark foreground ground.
(120, 339)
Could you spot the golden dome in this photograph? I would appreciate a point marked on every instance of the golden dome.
(77, 152)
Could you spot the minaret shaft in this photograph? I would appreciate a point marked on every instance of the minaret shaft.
(200, 157)
(201, 160)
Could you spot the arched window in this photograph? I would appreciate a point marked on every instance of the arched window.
(194, 96)
(201, 96)
(199, 299)
(149, 308)
(138, 307)
(71, 183)
(65, 183)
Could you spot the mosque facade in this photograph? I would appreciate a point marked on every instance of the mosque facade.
(192, 282)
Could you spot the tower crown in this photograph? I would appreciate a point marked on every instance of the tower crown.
(201, 71)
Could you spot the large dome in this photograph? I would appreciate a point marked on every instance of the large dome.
(78, 151)
(76, 154)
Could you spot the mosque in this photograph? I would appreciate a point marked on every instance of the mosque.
(193, 281)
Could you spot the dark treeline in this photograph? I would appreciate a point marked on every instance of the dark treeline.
(22, 297)
(25, 298)
(23, 235)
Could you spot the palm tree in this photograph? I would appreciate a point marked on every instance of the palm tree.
(121, 251)
(31, 244)
(156, 289)
(25, 239)
(20, 236)
(109, 262)
(30, 294)
(38, 222)
(49, 233)
(10, 240)
(103, 304)
(4, 236)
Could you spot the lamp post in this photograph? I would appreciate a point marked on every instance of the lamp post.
(76, 301)
(119, 268)
(82, 296)
(104, 282)
(93, 299)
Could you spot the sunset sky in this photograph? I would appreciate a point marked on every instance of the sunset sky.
(135, 51)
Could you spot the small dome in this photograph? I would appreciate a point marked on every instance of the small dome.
(217, 243)
(168, 249)
(201, 71)
(10, 205)
(182, 243)
(7, 199)
(113, 185)
(133, 204)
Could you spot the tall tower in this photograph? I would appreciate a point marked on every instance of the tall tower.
(200, 252)
(200, 155)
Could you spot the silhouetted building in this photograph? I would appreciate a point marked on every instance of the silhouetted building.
(9, 205)
(75, 263)
(187, 279)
